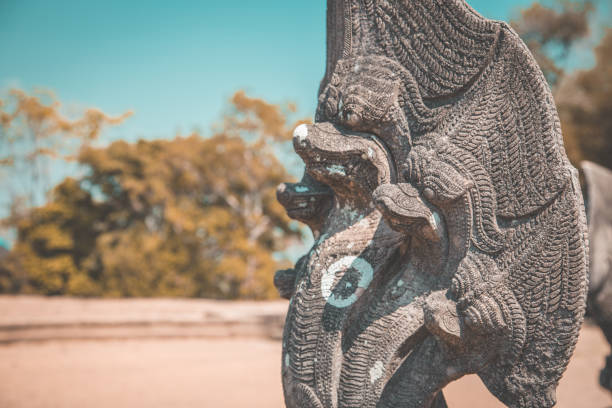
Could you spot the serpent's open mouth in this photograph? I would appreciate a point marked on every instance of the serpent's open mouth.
(357, 315)
(347, 161)
(304, 204)
(305, 201)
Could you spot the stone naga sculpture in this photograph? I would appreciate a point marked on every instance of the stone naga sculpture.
(599, 210)
(449, 225)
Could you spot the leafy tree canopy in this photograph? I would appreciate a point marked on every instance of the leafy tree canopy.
(191, 216)
(34, 134)
(582, 97)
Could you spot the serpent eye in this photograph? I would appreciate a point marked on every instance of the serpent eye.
(352, 118)
(429, 193)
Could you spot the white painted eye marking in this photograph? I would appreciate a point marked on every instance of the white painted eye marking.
(301, 132)
(376, 371)
(336, 169)
(365, 271)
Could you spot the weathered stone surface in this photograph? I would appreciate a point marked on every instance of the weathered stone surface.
(451, 237)
(599, 211)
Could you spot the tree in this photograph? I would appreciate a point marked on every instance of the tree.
(583, 97)
(191, 216)
(33, 133)
(551, 32)
(584, 100)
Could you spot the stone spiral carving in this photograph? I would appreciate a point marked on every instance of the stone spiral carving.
(450, 229)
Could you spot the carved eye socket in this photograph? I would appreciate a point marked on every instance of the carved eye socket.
(352, 118)
(429, 193)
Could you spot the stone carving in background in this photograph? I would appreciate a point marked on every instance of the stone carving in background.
(449, 225)
(599, 210)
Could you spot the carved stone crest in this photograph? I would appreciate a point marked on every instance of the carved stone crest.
(449, 224)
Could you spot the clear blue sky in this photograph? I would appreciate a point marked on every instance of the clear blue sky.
(174, 64)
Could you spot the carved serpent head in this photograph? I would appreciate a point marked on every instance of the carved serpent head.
(449, 232)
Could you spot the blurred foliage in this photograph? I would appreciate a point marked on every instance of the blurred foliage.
(191, 216)
(550, 32)
(34, 133)
(583, 98)
(197, 216)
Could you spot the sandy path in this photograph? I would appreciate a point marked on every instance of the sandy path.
(142, 373)
(201, 364)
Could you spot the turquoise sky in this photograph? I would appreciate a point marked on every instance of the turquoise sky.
(174, 64)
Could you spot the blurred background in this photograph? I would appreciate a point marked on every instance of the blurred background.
(140, 147)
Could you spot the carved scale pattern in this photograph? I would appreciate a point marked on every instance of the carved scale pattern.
(489, 275)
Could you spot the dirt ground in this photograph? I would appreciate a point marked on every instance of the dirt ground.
(175, 353)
